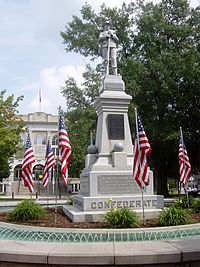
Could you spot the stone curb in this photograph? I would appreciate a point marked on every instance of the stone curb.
(100, 230)
(172, 253)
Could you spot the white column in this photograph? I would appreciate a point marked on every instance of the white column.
(73, 188)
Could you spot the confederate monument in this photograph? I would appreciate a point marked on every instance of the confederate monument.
(106, 181)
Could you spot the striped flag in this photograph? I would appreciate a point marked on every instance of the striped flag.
(28, 160)
(141, 150)
(49, 163)
(65, 147)
(184, 162)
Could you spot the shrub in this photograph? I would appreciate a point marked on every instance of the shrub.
(196, 206)
(121, 218)
(26, 210)
(185, 202)
(174, 216)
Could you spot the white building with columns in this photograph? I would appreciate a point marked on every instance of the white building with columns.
(42, 126)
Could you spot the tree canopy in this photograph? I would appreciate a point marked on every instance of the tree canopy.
(80, 122)
(10, 128)
(159, 60)
(81, 116)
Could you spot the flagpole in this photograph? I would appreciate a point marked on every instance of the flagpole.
(40, 100)
(142, 189)
(19, 184)
(185, 186)
(57, 164)
(27, 170)
(48, 190)
(181, 134)
(48, 179)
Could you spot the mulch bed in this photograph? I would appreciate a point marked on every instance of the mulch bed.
(59, 219)
(52, 219)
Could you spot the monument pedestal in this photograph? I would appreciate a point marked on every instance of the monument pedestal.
(106, 181)
(102, 191)
(100, 205)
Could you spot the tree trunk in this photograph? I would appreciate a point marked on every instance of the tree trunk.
(161, 183)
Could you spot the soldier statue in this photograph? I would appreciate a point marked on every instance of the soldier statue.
(108, 40)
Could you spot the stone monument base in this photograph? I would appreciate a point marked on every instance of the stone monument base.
(96, 216)
(91, 209)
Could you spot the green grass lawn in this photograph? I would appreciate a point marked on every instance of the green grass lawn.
(3, 199)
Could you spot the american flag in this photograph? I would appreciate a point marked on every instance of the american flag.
(184, 162)
(65, 147)
(49, 163)
(141, 150)
(28, 160)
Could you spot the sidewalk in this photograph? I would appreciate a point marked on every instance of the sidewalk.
(10, 203)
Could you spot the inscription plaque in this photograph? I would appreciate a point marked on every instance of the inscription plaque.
(117, 184)
(135, 203)
(115, 126)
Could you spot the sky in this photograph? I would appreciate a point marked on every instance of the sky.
(32, 54)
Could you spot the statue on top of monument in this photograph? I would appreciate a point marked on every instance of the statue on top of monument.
(108, 42)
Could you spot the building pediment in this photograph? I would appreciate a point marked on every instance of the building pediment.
(40, 117)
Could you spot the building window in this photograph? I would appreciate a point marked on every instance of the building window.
(39, 139)
(17, 172)
(55, 140)
(55, 151)
(38, 172)
(54, 144)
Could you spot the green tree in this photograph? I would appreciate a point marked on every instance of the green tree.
(81, 34)
(159, 59)
(10, 129)
(82, 97)
(81, 116)
(80, 122)
(73, 94)
(167, 51)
